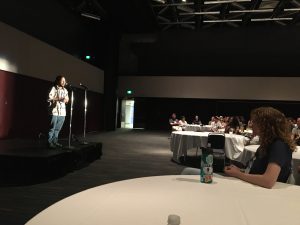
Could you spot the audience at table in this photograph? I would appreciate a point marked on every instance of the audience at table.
(292, 122)
(174, 122)
(273, 158)
(296, 132)
(233, 125)
(182, 123)
(216, 123)
(197, 121)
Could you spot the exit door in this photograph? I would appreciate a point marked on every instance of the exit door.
(127, 113)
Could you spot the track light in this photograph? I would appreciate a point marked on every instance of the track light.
(91, 16)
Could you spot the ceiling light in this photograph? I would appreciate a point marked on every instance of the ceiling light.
(160, 1)
(291, 10)
(251, 11)
(222, 21)
(224, 1)
(200, 13)
(174, 4)
(91, 16)
(271, 19)
(175, 23)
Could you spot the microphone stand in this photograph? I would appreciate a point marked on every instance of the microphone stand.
(84, 142)
(71, 116)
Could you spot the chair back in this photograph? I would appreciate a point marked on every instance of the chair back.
(217, 143)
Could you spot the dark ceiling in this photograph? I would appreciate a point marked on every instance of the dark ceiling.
(134, 16)
(82, 27)
(202, 14)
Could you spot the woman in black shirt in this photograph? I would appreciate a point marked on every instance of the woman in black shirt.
(273, 158)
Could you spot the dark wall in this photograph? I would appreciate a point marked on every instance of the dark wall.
(23, 107)
(53, 22)
(251, 51)
(154, 113)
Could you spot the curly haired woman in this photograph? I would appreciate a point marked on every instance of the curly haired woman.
(273, 158)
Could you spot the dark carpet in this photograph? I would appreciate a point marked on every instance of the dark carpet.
(127, 154)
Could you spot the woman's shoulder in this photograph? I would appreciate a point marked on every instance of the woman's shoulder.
(279, 145)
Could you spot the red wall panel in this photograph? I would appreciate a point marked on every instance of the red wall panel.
(23, 107)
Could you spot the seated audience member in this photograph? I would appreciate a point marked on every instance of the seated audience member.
(212, 119)
(296, 132)
(273, 158)
(233, 126)
(215, 123)
(174, 123)
(183, 123)
(197, 121)
(292, 124)
(249, 125)
(224, 121)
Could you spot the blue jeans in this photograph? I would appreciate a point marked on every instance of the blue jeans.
(56, 124)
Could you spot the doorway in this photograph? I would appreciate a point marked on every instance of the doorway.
(127, 113)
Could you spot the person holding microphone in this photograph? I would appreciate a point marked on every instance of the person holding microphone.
(57, 98)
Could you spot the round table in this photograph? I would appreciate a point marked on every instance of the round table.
(149, 200)
(181, 141)
(198, 128)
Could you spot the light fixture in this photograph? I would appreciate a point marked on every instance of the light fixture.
(224, 1)
(222, 21)
(174, 4)
(200, 13)
(251, 11)
(91, 16)
(175, 23)
(271, 19)
(160, 1)
(292, 10)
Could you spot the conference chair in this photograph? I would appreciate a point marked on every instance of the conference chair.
(217, 143)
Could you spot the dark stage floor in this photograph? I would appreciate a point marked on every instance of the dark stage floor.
(24, 162)
(126, 154)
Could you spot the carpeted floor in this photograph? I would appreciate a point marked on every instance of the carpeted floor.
(126, 154)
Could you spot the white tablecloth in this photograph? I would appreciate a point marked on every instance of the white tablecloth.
(250, 150)
(181, 141)
(149, 201)
(195, 127)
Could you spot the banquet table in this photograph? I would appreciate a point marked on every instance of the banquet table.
(150, 200)
(181, 141)
(195, 127)
(249, 152)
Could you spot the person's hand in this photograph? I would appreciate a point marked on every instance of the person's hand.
(232, 171)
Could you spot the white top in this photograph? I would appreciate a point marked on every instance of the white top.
(150, 200)
(58, 108)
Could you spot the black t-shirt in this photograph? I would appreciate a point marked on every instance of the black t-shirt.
(171, 121)
(278, 152)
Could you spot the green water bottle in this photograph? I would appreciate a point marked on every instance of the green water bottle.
(206, 169)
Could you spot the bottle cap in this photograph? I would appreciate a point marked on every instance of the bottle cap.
(173, 219)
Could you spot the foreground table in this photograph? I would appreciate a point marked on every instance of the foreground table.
(149, 200)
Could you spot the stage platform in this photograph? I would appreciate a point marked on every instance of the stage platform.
(24, 162)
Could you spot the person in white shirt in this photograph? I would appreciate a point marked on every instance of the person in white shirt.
(183, 123)
(296, 132)
(57, 98)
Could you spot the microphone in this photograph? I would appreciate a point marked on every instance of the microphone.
(83, 86)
